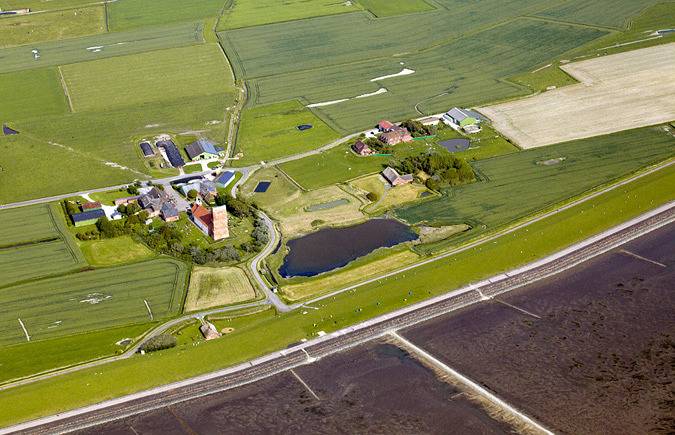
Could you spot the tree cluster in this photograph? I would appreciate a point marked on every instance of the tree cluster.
(260, 237)
(378, 146)
(159, 342)
(443, 169)
(237, 207)
(417, 129)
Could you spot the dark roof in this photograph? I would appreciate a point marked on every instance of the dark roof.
(360, 146)
(169, 210)
(172, 153)
(147, 149)
(88, 215)
(8, 131)
(225, 178)
(201, 146)
(303, 127)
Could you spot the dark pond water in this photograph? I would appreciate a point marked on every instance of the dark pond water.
(331, 248)
(455, 145)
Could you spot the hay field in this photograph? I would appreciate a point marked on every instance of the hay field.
(41, 94)
(91, 300)
(514, 185)
(51, 26)
(613, 13)
(617, 92)
(147, 77)
(464, 71)
(244, 13)
(127, 14)
(211, 287)
(112, 44)
(270, 132)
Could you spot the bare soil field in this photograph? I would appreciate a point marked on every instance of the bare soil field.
(596, 352)
(618, 92)
(376, 388)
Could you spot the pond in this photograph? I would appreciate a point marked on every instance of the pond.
(331, 248)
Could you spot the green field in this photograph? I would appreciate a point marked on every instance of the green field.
(43, 5)
(269, 132)
(51, 26)
(148, 77)
(519, 184)
(340, 164)
(243, 13)
(612, 13)
(264, 334)
(22, 263)
(54, 53)
(27, 224)
(386, 8)
(118, 250)
(466, 71)
(41, 94)
(91, 300)
(127, 14)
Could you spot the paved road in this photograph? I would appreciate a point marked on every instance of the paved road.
(340, 340)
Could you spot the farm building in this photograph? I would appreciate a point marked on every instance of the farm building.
(209, 331)
(203, 149)
(224, 179)
(169, 212)
(147, 150)
(126, 200)
(396, 136)
(172, 153)
(87, 217)
(208, 190)
(463, 117)
(213, 223)
(362, 149)
(153, 200)
(396, 179)
(385, 126)
(192, 185)
(95, 205)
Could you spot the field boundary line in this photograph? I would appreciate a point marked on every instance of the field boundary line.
(423, 355)
(64, 86)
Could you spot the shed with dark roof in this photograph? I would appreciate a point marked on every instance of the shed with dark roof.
(87, 218)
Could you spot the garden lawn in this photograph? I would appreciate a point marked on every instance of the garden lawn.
(92, 300)
(213, 287)
(270, 132)
(51, 26)
(118, 250)
(244, 13)
(149, 77)
(264, 335)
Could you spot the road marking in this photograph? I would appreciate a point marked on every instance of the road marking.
(304, 384)
(522, 310)
(475, 387)
(149, 310)
(640, 257)
(25, 331)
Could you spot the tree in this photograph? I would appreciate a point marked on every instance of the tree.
(192, 194)
(372, 196)
(160, 342)
(132, 189)
(71, 207)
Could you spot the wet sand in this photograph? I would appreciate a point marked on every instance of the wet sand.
(375, 388)
(600, 357)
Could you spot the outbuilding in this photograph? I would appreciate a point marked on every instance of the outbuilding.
(87, 218)
(224, 179)
(396, 179)
(203, 149)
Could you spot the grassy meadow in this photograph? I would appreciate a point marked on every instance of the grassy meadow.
(210, 287)
(386, 8)
(26, 262)
(244, 13)
(43, 5)
(269, 132)
(515, 185)
(128, 14)
(51, 26)
(91, 300)
(41, 95)
(261, 335)
(610, 13)
(27, 224)
(118, 250)
(148, 77)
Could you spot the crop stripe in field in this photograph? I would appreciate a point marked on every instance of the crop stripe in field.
(64, 86)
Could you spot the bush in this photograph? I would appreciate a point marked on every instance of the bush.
(372, 197)
(71, 207)
(192, 194)
(133, 189)
(160, 342)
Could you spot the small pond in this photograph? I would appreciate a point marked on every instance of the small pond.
(331, 248)
(455, 145)
(262, 186)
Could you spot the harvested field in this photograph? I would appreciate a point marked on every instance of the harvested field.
(91, 300)
(595, 353)
(211, 287)
(375, 388)
(617, 92)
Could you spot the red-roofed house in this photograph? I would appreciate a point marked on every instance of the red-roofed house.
(213, 223)
(362, 149)
(94, 205)
(396, 136)
(385, 126)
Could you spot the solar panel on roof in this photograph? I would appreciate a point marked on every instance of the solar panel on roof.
(88, 215)
(262, 186)
(147, 149)
(172, 153)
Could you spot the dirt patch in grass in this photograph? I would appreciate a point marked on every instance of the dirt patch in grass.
(436, 234)
(215, 287)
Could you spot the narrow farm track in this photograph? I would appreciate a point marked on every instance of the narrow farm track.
(347, 338)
